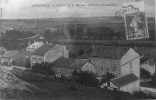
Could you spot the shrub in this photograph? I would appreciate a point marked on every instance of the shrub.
(85, 78)
(144, 73)
(43, 68)
(107, 77)
(72, 88)
(13, 92)
(143, 95)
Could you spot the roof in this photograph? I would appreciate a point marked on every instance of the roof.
(28, 53)
(124, 80)
(70, 63)
(115, 53)
(2, 49)
(10, 53)
(43, 49)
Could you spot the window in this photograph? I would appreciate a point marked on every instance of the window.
(33, 60)
(107, 65)
(102, 65)
(59, 69)
(39, 60)
(113, 67)
(59, 75)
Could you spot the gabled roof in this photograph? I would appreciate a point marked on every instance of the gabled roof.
(10, 53)
(115, 53)
(70, 63)
(43, 49)
(124, 80)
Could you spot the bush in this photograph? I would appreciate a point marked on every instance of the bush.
(13, 92)
(144, 73)
(143, 95)
(85, 78)
(43, 68)
(107, 77)
(72, 88)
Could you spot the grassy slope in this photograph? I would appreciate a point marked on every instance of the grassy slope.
(59, 90)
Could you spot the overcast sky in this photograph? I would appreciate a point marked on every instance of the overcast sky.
(14, 9)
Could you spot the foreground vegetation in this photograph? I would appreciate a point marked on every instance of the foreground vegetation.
(61, 89)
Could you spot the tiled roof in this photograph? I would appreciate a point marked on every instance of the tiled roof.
(124, 80)
(69, 62)
(10, 53)
(43, 49)
(115, 53)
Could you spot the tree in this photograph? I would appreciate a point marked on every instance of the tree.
(144, 73)
(85, 78)
(107, 77)
(28, 64)
(43, 68)
(48, 34)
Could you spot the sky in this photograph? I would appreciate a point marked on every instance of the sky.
(25, 9)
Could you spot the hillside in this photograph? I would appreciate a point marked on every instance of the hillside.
(11, 86)
(117, 24)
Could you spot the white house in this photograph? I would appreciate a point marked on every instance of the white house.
(129, 79)
(127, 83)
(34, 46)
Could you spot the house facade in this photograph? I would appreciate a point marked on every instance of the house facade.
(107, 60)
(104, 65)
(118, 61)
(7, 58)
(13, 57)
(129, 79)
(49, 53)
(130, 63)
(65, 66)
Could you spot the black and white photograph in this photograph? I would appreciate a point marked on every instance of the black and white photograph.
(77, 50)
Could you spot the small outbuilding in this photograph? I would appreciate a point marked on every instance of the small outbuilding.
(127, 83)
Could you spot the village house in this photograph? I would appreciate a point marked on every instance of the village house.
(107, 60)
(127, 83)
(149, 66)
(119, 61)
(49, 53)
(13, 57)
(129, 80)
(114, 60)
(65, 66)
(34, 46)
